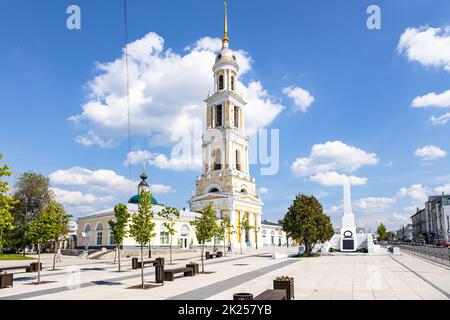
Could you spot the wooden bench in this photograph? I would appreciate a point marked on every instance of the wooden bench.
(169, 274)
(14, 268)
(218, 254)
(272, 295)
(152, 262)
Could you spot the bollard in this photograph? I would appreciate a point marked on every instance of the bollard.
(159, 270)
(134, 263)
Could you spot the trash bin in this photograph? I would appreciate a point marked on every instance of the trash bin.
(134, 263)
(242, 296)
(159, 270)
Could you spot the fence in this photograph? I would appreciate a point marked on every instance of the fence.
(434, 253)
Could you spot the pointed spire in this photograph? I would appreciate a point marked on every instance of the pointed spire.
(225, 25)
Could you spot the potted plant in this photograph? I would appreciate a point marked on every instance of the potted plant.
(285, 283)
(194, 266)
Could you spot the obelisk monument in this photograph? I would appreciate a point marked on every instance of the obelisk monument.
(348, 227)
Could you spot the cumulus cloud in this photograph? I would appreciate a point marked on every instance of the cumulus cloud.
(84, 190)
(433, 99)
(416, 192)
(301, 97)
(332, 178)
(176, 163)
(430, 152)
(374, 204)
(330, 163)
(165, 103)
(77, 198)
(441, 120)
(263, 190)
(426, 45)
(397, 217)
(445, 189)
(138, 157)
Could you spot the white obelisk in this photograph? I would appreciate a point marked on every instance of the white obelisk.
(348, 227)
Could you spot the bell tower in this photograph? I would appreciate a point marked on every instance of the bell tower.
(225, 178)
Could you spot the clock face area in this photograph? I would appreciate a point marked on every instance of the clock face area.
(348, 234)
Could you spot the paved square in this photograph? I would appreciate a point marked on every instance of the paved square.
(355, 277)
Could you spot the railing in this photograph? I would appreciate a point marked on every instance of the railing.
(435, 253)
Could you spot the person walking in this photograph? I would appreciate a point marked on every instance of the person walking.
(229, 247)
(59, 256)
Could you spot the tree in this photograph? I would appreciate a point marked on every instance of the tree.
(42, 230)
(170, 214)
(60, 223)
(119, 227)
(306, 223)
(205, 227)
(245, 228)
(31, 190)
(141, 228)
(382, 232)
(222, 230)
(6, 205)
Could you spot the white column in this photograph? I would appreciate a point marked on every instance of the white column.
(247, 167)
(251, 220)
(258, 223)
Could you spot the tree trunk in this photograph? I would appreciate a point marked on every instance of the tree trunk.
(142, 265)
(118, 257)
(39, 264)
(115, 255)
(224, 251)
(54, 257)
(1, 242)
(170, 249)
(203, 249)
(150, 249)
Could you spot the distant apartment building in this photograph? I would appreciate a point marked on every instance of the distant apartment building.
(432, 222)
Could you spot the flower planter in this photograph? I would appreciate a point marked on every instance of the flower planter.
(285, 285)
(6, 280)
(242, 296)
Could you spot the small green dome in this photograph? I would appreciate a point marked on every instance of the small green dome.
(136, 198)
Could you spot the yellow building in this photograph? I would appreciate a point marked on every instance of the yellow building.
(226, 180)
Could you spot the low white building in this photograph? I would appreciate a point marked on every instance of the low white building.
(272, 235)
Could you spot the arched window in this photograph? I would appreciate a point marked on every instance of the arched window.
(238, 160)
(221, 82)
(217, 159)
(219, 112)
(99, 230)
(264, 233)
(164, 235)
(111, 238)
(87, 228)
(184, 230)
(232, 83)
(236, 116)
(213, 190)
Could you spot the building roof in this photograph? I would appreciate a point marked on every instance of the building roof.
(136, 198)
(268, 223)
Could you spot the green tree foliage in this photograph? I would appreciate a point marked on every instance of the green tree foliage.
(43, 229)
(141, 228)
(6, 205)
(60, 223)
(205, 227)
(119, 227)
(31, 190)
(245, 228)
(382, 232)
(306, 223)
(222, 230)
(171, 215)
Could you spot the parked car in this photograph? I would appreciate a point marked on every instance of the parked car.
(441, 243)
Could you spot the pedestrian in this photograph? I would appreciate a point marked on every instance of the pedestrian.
(229, 247)
(58, 255)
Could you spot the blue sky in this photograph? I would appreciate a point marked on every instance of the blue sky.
(373, 117)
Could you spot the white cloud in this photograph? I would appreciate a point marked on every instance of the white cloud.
(104, 181)
(263, 190)
(440, 120)
(333, 156)
(445, 189)
(430, 152)
(433, 100)
(76, 198)
(396, 217)
(165, 103)
(374, 204)
(332, 178)
(176, 163)
(138, 157)
(302, 98)
(426, 45)
(416, 192)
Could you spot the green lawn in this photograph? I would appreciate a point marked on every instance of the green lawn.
(14, 256)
